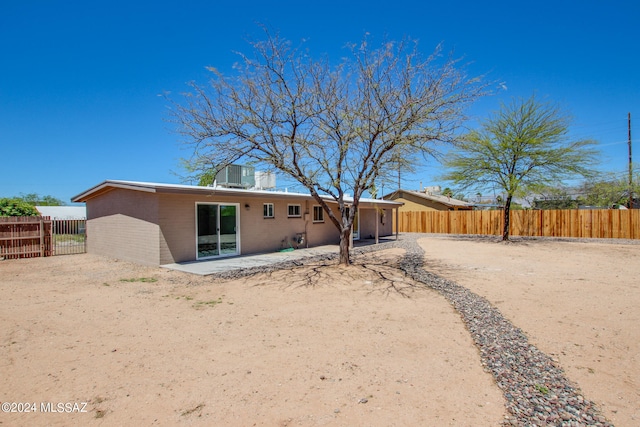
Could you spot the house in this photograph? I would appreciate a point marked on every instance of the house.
(63, 212)
(426, 201)
(157, 224)
(66, 220)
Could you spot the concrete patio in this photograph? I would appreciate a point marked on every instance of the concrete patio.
(241, 262)
(220, 265)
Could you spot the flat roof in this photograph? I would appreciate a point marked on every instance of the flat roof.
(155, 187)
(63, 212)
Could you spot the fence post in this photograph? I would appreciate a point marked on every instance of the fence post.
(41, 237)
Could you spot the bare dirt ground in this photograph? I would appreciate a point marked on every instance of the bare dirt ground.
(577, 302)
(312, 346)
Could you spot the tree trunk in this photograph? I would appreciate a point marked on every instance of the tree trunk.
(507, 217)
(345, 235)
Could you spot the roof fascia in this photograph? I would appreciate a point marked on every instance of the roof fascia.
(109, 185)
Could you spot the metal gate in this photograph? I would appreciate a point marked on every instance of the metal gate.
(69, 236)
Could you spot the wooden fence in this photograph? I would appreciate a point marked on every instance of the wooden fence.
(596, 223)
(35, 236)
(25, 237)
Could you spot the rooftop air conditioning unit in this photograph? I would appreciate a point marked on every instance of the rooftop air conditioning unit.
(236, 176)
(265, 180)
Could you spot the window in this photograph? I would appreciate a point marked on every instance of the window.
(293, 211)
(268, 210)
(318, 214)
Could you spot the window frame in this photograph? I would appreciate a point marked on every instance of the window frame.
(318, 208)
(297, 207)
(265, 211)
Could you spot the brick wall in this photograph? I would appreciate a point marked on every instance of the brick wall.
(123, 224)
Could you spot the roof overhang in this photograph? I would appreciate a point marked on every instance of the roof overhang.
(151, 187)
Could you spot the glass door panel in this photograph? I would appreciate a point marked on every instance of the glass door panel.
(207, 229)
(228, 230)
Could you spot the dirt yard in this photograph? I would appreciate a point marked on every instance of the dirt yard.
(319, 345)
(578, 302)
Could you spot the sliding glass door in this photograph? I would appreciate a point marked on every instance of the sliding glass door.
(217, 230)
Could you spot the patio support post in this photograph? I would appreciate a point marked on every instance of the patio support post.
(397, 221)
(377, 215)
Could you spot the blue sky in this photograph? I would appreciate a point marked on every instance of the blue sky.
(80, 81)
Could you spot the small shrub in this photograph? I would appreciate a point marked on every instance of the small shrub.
(211, 303)
(141, 279)
(542, 389)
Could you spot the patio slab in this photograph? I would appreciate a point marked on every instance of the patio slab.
(241, 262)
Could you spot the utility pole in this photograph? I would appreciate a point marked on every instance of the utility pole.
(630, 165)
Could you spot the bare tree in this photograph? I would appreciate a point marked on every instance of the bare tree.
(334, 129)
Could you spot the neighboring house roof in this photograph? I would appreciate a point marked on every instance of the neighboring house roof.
(63, 212)
(154, 187)
(438, 198)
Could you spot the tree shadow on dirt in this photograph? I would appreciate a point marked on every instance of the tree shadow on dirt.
(374, 273)
(481, 238)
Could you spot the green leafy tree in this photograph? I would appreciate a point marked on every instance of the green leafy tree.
(335, 129)
(522, 146)
(207, 178)
(609, 191)
(552, 197)
(16, 207)
(37, 200)
(50, 201)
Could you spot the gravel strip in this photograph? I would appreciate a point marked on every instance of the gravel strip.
(535, 389)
